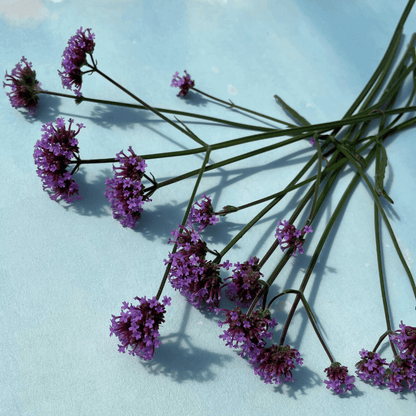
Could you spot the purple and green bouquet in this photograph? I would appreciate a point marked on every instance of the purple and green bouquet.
(205, 276)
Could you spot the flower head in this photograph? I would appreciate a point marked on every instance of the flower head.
(125, 190)
(184, 83)
(185, 262)
(204, 289)
(288, 236)
(74, 57)
(202, 213)
(25, 87)
(405, 339)
(312, 141)
(244, 285)
(371, 367)
(401, 373)
(137, 326)
(247, 332)
(338, 379)
(275, 364)
(52, 155)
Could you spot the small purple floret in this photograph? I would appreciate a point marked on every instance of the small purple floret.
(25, 87)
(184, 83)
(52, 155)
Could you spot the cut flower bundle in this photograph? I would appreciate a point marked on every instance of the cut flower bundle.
(204, 276)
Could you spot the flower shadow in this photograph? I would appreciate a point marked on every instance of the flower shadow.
(185, 363)
(93, 202)
(182, 361)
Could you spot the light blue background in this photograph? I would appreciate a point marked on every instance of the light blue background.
(66, 269)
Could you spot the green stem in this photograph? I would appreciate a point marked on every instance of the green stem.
(161, 110)
(383, 214)
(232, 105)
(182, 130)
(319, 247)
(380, 271)
(92, 161)
(310, 316)
(185, 217)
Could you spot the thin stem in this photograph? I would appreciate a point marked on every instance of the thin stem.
(185, 217)
(92, 161)
(310, 316)
(380, 271)
(161, 110)
(182, 130)
(318, 249)
(383, 214)
(317, 182)
(232, 105)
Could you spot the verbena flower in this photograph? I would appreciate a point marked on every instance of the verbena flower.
(312, 141)
(74, 57)
(52, 155)
(202, 213)
(137, 327)
(338, 379)
(401, 373)
(244, 285)
(204, 289)
(247, 332)
(186, 261)
(275, 364)
(184, 83)
(125, 190)
(25, 87)
(288, 236)
(405, 339)
(371, 367)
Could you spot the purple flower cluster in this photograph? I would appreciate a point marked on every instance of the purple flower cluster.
(196, 278)
(202, 213)
(275, 364)
(338, 379)
(137, 326)
(25, 87)
(184, 83)
(247, 332)
(244, 285)
(371, 367)
(405, 339)
(401, 372)
(52, 155)
(74, 57)
(125, 190)
(288, 236)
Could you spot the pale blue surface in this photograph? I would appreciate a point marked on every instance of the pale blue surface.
(65, 270)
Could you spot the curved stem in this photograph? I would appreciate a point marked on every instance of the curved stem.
(310, 316)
